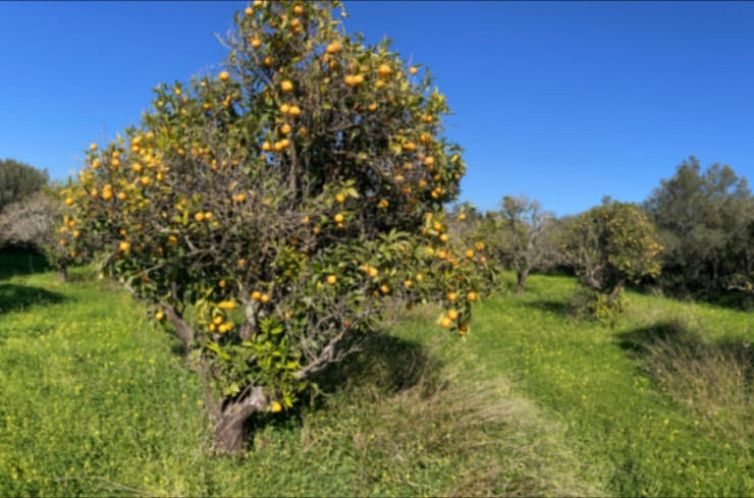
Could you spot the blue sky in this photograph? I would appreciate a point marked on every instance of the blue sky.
(564, 101)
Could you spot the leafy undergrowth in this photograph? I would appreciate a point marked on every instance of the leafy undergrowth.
(96, 401)
(659, 403)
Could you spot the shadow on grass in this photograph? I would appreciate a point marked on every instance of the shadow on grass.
(384, 366)
(385, 362)
(639, 341)
(674, 339)
(19, 262)
(16, 297)
(560, 308)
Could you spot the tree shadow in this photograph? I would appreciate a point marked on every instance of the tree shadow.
(14, 262)
(677, 339)
(15, 297)
(385, 365)
(560, 308)
(639, 341)
(385, 362)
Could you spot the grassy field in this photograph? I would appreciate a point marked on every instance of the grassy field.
(534, 401)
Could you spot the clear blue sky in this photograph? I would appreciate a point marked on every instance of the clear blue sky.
(565, 101)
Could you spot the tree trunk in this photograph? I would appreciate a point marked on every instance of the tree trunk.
(229, 424)
(521, 281)
(615, 293)
(63, 274)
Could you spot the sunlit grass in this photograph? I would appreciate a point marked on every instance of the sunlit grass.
(95, 402)
(593, 378)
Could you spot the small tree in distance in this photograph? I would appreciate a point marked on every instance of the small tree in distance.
(524, 243)
(270, 211)
(609, 246)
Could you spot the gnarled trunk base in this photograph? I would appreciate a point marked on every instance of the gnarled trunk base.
(229, 423)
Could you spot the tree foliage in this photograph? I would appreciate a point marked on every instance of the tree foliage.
(520, 234)
(609, 246)
(18, 180)
(706, 222)
(269, 212)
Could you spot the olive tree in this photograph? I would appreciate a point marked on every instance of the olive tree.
(19, 180)
(268, 212)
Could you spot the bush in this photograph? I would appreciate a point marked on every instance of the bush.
(268, 213)
(18, 180)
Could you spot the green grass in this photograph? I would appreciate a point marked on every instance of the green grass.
(592, 379)
(533, 402)
(95, 401)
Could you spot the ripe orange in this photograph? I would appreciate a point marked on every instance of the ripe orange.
(124, 246)
(256, 295)
(285, 129)
(227, 305)
(248, 11)
(93, 147)
(287, 86)
(334, 48)
(472, 297)
(331, 279)
(255, 42)
(445, 322)
(265, 298)
(294, 111)
(452, 297)
(453, 314)
(413, 70)
(340, 198)
(384, 71)
(69, 201)
(338, 218)
(224, 76)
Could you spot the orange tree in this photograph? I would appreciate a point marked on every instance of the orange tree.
(269, 211)
(610, 246)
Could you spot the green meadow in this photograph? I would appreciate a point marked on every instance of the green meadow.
(534, 401)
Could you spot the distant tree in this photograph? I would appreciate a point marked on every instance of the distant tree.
(704, 219)
(18, 180)
(40, 223)
(30, 222)
(609, 246)
(525, 246)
